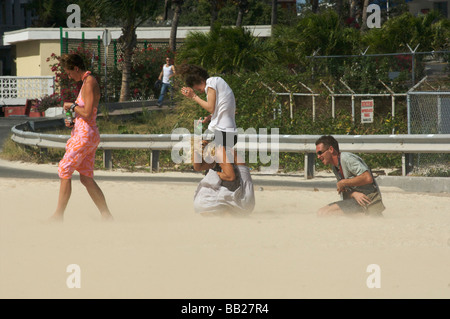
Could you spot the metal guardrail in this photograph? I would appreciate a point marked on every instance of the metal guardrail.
(400, 144)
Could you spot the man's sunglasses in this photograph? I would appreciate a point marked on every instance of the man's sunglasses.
(319, 153)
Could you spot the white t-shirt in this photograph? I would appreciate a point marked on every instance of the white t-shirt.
(167, 71)
(224, 111)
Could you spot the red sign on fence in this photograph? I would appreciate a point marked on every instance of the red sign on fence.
(367, 111)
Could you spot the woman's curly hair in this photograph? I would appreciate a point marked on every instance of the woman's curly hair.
(192, 74)
(70, 61)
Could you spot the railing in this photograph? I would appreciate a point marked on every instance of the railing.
(262, 143)
(15, 90)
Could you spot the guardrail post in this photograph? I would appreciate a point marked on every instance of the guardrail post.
(310, 160)
(154, 160)
(107, 159)
(403, 164)
(409, 163)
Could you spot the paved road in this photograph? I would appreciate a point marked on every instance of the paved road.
(6, 123)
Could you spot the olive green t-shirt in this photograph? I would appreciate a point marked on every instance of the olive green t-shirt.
(352, 166)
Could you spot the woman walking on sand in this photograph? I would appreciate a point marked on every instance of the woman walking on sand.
(85, 137)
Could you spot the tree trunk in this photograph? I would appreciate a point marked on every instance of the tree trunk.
(339, 8)
(242, 8)
(314, 6)
(173, 30)
(213, 13)
(166, 9)
(274, 17)
(353, 5)
(364, 15)
(128, 40)
(239, 17)
(359, 12)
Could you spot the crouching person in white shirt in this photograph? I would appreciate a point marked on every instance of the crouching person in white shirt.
(227, 187)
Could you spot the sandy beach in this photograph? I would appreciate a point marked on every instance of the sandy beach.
(158, 247)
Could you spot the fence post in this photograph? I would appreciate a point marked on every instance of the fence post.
(332, 98)
(61, 41)
(67, 42)
(393, 111)
(353, 108)
(115, 53)
(413, 63)
(313, 100)
(99, 54)
(403, 164)
(353, 97)
(310, 161)
(276, 95)
(107, 159)
(408, 112)
(392, 102)
(291, 111)
(314, 107)
(154, 160)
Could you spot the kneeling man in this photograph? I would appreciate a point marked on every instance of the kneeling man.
(359, 191)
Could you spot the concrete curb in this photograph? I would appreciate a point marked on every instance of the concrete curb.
(416, 183)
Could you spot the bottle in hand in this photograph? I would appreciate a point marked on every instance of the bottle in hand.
(69, 117)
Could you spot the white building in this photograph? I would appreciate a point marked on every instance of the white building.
(32, 46)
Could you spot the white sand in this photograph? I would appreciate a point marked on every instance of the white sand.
(157, 247)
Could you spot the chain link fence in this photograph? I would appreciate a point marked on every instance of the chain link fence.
(429, 113)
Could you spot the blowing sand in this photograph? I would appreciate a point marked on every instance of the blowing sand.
(157, 247)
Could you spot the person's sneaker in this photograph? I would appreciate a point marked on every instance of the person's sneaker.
(159, 104)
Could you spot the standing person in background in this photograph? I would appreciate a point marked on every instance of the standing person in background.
(167, 72)
(84, 139)
(355, 182)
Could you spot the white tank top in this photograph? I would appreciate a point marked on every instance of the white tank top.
(223, 117)
(167, 71)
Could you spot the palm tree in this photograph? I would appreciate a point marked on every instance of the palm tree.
(50, 13)
(130, 14)
(314, 6)
(166, 9)
(242, 8)
(274, 16)
(224, 50)
(176, 17)
(216, 5)
(364, 15)
(323, 31)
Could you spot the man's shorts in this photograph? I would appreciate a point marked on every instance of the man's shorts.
(351, 206)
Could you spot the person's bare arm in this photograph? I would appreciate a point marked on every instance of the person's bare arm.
(91, 96)
(209, 105)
